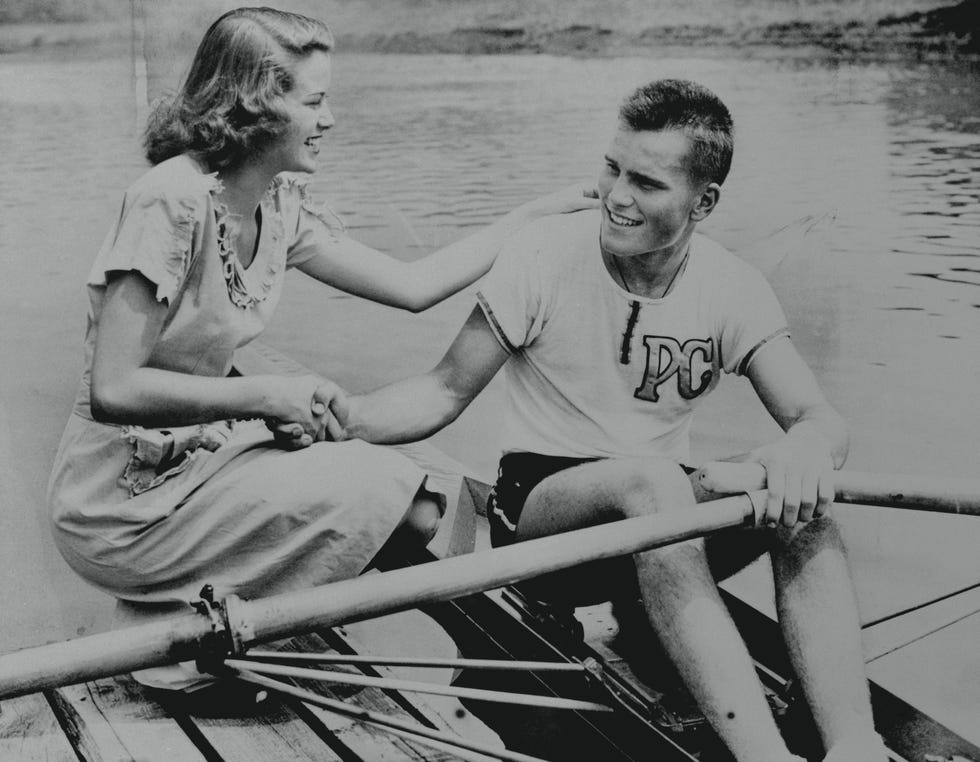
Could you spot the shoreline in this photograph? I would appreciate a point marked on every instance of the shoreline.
(943, 34)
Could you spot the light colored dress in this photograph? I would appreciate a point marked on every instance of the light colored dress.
(150, 516)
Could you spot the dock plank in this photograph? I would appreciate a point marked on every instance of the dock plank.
(274, 732)
(427, 638)
(29, 730)
(116, 718)
(367, 742)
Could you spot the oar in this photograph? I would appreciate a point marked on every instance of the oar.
(191, 635)
(923, 493)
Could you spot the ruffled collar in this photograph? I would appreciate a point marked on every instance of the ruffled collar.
(247, 286)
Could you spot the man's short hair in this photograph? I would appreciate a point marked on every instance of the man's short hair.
(677, 104)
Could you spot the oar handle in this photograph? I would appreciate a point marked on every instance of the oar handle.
(941, 494)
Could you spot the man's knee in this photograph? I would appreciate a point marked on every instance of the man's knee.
(652, 486)
(806, 540)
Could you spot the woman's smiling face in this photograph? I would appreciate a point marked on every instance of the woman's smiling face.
(308, 110)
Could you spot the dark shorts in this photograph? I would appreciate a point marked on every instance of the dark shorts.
(517, 474)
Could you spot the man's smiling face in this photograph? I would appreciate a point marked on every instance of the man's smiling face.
(645, 191)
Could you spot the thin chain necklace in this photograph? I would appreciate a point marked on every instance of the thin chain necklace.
(670, 283)
(626, 348)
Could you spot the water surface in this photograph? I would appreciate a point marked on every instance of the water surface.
(880, 163)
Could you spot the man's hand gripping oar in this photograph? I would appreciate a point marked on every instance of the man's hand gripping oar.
(923, 493)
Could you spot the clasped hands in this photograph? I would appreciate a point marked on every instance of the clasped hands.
(311, 410)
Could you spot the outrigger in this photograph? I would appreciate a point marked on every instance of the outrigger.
(617, 715)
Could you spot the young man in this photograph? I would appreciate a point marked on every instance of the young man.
(612, 326)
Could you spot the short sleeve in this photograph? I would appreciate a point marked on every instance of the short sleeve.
(153, 236)
(755, 318)
(317, 227)
(511, 295)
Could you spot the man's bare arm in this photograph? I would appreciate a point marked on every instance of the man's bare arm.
(799, 466)
(417, 407)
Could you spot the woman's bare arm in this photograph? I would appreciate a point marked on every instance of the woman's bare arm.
(417, 285)
(125, 389)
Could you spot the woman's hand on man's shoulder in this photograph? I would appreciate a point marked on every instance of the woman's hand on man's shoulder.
(571, 198)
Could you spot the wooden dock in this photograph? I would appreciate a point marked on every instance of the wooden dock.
(117, 719)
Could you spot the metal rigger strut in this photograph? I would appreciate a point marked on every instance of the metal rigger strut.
(224, 654)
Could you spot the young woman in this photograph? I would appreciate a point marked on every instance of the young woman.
(172, 473)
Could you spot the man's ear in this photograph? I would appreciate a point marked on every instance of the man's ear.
(706, 202)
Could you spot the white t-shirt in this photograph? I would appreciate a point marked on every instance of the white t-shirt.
(555, 308)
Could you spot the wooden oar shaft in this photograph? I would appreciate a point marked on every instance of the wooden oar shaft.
(941, 494)
(181, 637)
(923, 493)
(373, 595)
(176, 638)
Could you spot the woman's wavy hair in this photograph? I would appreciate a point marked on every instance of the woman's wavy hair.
(228, 106)
(677, 104)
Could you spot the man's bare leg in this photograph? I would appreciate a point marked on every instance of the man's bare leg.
(686, 610)
(819, 619)
(679, 593)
